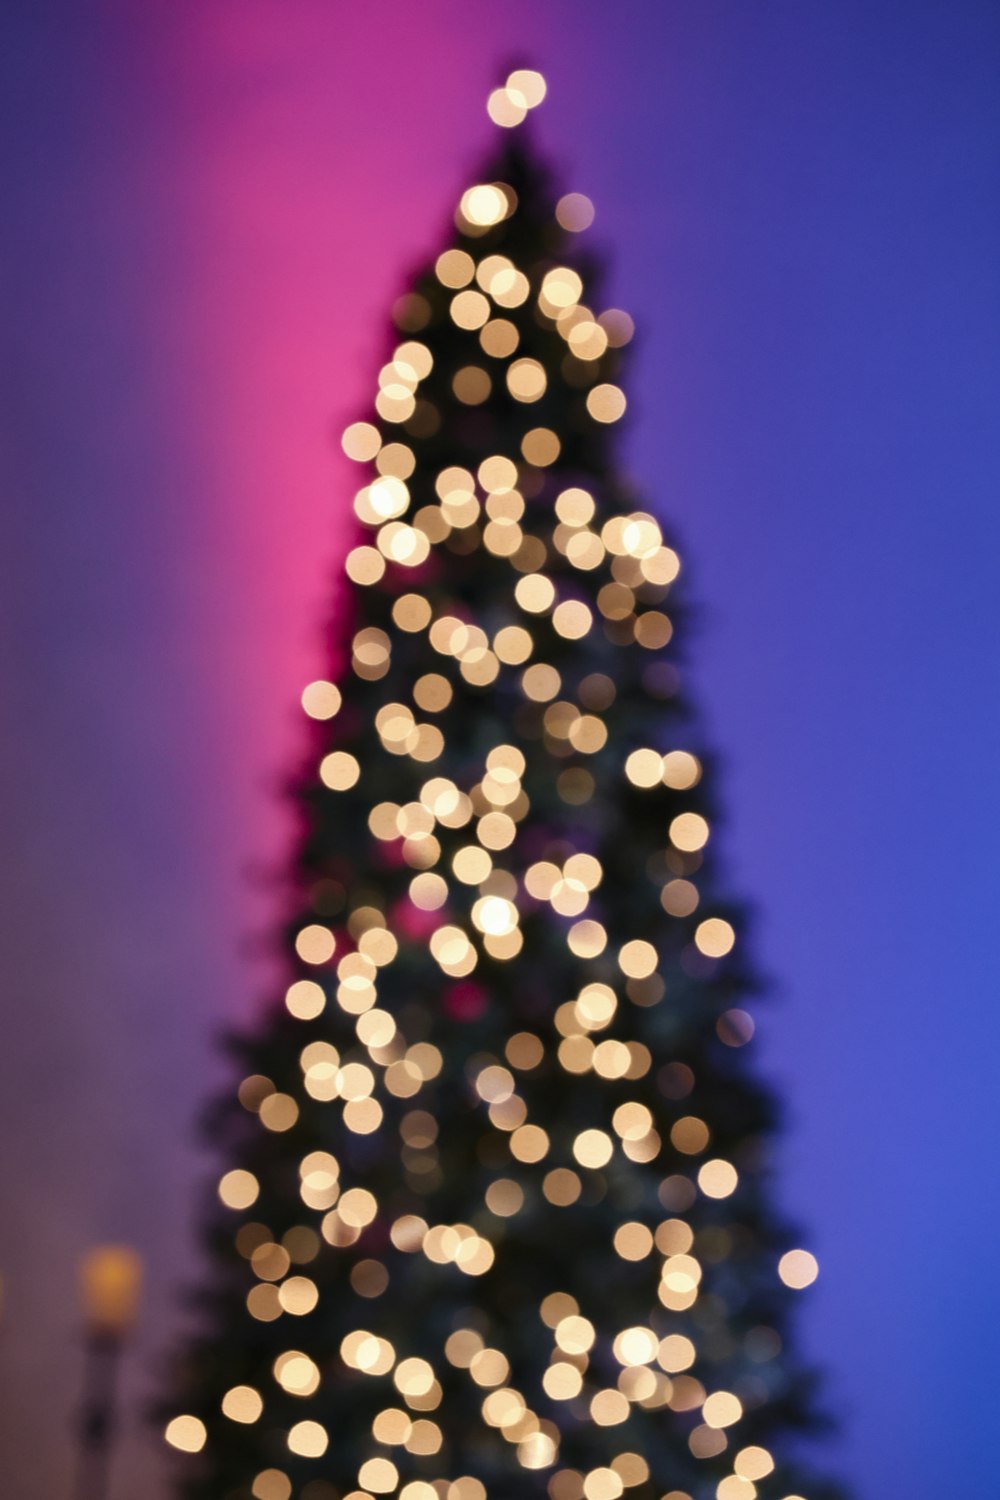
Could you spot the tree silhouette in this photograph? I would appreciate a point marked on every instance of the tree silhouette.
(496, 1215)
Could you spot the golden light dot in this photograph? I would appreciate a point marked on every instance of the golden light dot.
(753, 1463)
(403, 544)
(681, 1276)
(689, 1135)
(296, 1373)
(278, 1112)
(495, 1084)
(561, 288)
(186, 1433)
(636, 1346)
(574, 1334)
(484, 205)
(471, 864)
(721, 1409)
(562, 1187)
(679, 898)
(361, 441)
(595, 1006)
(798, 1269)
(357, 1206)
(271, 1484)
(714, 937)
(575, 507)
(497, 475)
(536, 1451)
(392, 1426)
(562, 1381)
(717, 1178)
(633, 1241)
(499, 338)
(632, 1121)
(637, 959)
(575, 212)
(608, 1059)
(513, 645)
(509, 288)
(631, 1468)
(587, 339)
(506, 107)
(540, 447)
(298, 1295)
(676, 1353)
(315, 944)
(602, 1484)
(321, 700)
(524, 1050)
(428, 891)
(413, 1377)
(587, 939)
(618, 326)
(308, 1439)
(606, 403)
(454, 268)
(432, 692)
(681, 770)
(504, 1197)
(395, 403)
(526, 380)
(494, 915)
(529, 1143)
(263, 1303)
(242, 1404)
(339, 771)
(489, 268)
(305, 999)
(238, 1189)
(644, 768)
(411, 612)
(453, 951)
(386, 497)
(541, 683)
(707, 1442)
(608, 1408)
(689, 832)
(470, 310)
(593, 1148)
(379, 1475)
(529, 84)
(572, 619)
(471, 385)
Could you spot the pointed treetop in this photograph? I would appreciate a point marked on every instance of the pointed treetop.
(509, 105)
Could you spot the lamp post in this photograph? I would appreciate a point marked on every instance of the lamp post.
(110, 1278)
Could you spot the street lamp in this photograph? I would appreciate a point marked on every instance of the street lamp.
(110, 1279)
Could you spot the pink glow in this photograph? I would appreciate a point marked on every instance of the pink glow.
(299, 224)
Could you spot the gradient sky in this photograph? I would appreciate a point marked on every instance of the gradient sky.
(207, 209)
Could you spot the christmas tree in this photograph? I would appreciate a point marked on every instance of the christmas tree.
(496, 1217)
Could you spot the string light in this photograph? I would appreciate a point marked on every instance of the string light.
(496, 1204)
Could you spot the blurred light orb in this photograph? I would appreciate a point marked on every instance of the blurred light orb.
(507, 107)
(528, 85)
(186, 1433)
(483, 205)
(575, 212)
(798, 1269)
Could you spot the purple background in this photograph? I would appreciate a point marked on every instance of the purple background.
(206, 211)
